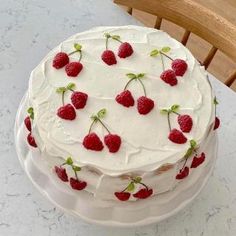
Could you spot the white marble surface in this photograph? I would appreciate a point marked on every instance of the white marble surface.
(28, 30)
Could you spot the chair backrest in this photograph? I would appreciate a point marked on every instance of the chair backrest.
(195, 18)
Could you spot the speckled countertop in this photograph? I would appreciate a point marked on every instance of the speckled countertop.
(28, 30)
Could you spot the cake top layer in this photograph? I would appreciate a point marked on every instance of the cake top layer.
(144, 137)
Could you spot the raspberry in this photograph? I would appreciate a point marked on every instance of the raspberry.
(113, 142)
(93, 142)
(125, 98)
(185, 123)
(169, 77)
(60, 60)
(66, 112)
(177, 136)
(109, 57)
(179, 66)
(183, 173)
(122, 196)
(79, 99)
(145, 105)
(125, 50)
(31, 140)
(61, 173)
(73, 69)
(197, 161)
(143, 193)
(27, 123)
(217, 123)
(76, 184)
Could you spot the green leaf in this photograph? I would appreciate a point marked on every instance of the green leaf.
(70, 86)
(174, 107)
(193, 143)
(116, 37)
(188, 153)
(165, 49)
(140, 75)
(76, 168)
(164, 111)
(102, 113)
(107, 35)
(77, 47)
(131, 75)
(215, 101)
(31, 112)
(69, 161)
(131, 187)
(154, 53)
(137, 179)
(61, 89)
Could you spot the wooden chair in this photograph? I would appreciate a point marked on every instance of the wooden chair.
(195, 18)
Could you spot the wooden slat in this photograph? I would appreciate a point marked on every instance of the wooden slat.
(158, 23)
(130, 10)
(185, 37)
(209, 57)
(231, 79)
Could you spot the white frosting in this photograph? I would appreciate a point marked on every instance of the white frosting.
(145, 144)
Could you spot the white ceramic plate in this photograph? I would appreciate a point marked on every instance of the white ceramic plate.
(107, 213)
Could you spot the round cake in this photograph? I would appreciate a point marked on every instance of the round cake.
(122, 113)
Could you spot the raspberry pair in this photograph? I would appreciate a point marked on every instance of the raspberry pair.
(78, 99)
(62, 59)
(125, 98)
(185, 123)
(28, 125)
(143, 193)
(178, 66)
(124, 50)
(75, 183)
(197, 160)
(93, 142)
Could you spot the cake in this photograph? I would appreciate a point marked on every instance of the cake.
(122, 113)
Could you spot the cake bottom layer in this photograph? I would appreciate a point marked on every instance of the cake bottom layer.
(109, 212)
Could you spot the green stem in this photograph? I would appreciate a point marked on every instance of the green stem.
(144, 90)
(175, 112)
(80, 56)
(76, 176)
(104, 125)
(144, 185)
(184, 164)
(63, 95)
(162, 53)
(129, 83)
(162, 62)
(107, 42)
(168, 118)
(117, 40)
(127, 187)
(90, 128)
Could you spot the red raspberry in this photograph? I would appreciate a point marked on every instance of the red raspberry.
(73, 68)
(61, 173)
(197, 161)
(177, 136)
(76, 184)
(60, 60)
(66, 112)
(125, 98)
(93, 142)
(169, 77)
(113, 142)
(183, 173)
(179, 66)
(79, 99)
(143, 193)
(109, 57)
(125, 50)
(31, 140)
(145, 105)
(185, 123)
(122, 196)
(27, 123)
(217, 123)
